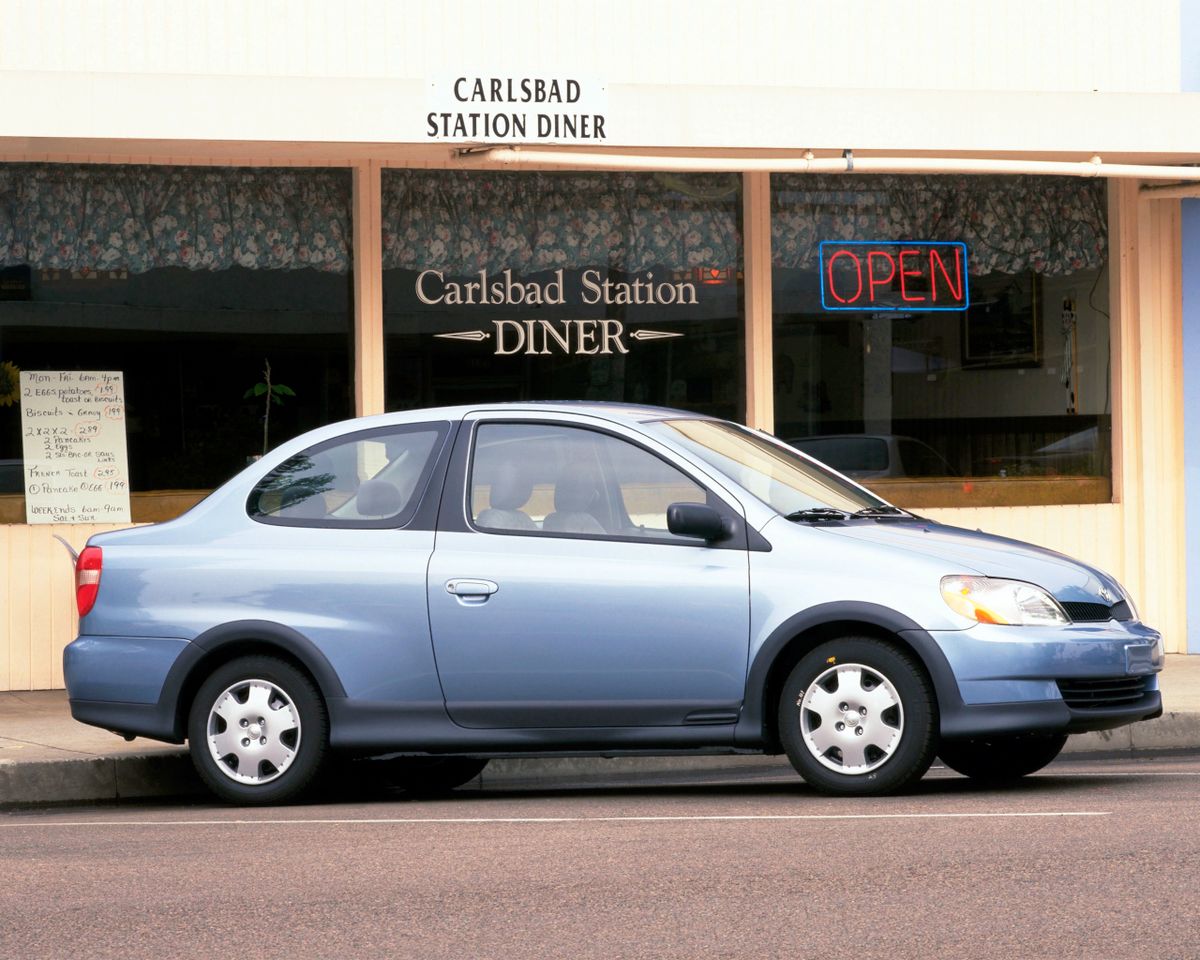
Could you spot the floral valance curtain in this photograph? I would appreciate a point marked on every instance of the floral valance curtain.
(102, 217)
(1050, 225)
(462, 222)
(137, 218)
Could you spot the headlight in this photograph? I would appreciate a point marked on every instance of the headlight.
(989, 600)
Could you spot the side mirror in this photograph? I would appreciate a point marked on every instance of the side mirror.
(697, 520)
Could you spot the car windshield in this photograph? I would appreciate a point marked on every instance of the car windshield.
(773, 472)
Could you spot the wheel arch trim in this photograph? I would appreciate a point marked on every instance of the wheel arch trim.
(260, 636)
(755, 728)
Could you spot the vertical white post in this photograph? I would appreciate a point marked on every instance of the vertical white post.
(368, 288)
(760, 367)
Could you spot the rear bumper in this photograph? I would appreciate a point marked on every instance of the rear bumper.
(157, 721)
(129, 685)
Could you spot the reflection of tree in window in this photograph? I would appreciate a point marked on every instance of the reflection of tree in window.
(291, 484)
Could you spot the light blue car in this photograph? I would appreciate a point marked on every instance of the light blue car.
(446, 586)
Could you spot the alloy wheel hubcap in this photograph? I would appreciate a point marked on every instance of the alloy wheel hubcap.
(851, 718)
(253, 731)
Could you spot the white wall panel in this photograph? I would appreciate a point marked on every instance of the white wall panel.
(1050, 76)
(1064, 45)
(37, 602)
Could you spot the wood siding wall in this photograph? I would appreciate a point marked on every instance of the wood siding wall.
(37, 602)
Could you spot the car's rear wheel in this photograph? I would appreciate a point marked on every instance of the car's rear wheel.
(1000, 759)
(258, 731)
(857, 716)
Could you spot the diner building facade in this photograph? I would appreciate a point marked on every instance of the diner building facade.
(953, 255)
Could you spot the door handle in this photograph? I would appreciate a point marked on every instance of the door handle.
(478, 589)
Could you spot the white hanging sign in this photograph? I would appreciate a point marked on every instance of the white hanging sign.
(73, 438)
(498, 108)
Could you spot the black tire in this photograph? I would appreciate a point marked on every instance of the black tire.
(294, 734)
(1000, 759)
(425, 776)
(897, 741)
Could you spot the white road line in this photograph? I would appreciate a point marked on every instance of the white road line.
(499, 820)
(1096, 775)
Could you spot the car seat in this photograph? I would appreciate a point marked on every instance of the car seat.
(575, 494)
(510, 490)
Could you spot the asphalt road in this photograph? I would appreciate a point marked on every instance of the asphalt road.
(1090, 860)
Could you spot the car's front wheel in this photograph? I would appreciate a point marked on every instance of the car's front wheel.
(857, 716)
(258, 731)
(1000, 759)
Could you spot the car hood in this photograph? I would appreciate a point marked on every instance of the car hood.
(972, 551)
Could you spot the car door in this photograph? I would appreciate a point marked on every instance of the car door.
(557, 596)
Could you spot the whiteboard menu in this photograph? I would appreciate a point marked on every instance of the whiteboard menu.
(73, 438)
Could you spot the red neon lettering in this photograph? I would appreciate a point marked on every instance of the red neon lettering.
(858, 269)
(908, 273)
(872, 283)
(934, 255)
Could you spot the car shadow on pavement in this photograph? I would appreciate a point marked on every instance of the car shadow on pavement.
(755, 786)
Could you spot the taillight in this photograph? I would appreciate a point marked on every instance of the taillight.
(87, 579)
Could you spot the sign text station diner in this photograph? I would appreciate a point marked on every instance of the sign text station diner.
(506, 109)
(915, 276)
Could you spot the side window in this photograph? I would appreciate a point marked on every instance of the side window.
(543, 478)
(367, 479)
(649, 485)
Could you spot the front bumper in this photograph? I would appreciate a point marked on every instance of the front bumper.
(995, 680)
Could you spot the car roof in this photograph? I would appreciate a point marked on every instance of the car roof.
(611, 410)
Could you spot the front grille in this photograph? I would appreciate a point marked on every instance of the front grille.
(1099, 694)
(1097, 612)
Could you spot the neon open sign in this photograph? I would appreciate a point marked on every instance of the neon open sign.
(877, 275)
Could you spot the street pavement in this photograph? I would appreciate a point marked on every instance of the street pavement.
(46, 757)
(1089, 859)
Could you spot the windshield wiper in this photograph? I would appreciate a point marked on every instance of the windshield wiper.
(882, 511)
(817, 514)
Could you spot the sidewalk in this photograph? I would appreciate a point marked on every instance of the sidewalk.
(46, 757)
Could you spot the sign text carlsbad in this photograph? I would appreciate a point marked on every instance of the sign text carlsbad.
(511, 109)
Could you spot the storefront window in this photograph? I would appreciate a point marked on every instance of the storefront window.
(945, 340)
(190, 281)
(538, 286)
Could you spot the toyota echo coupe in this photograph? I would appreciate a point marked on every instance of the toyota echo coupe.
(447, 586)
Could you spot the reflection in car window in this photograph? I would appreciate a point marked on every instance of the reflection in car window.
(546, 478)
(848, 455)
(921, 460)
(367, 479)
(771, 471)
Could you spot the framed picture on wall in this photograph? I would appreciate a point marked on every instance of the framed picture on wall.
(1002, 327)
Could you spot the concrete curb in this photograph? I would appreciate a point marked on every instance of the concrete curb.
(90, 779)
(1171, 731)
(142, 776)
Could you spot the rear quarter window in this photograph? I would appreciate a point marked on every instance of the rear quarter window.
(373, 478)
